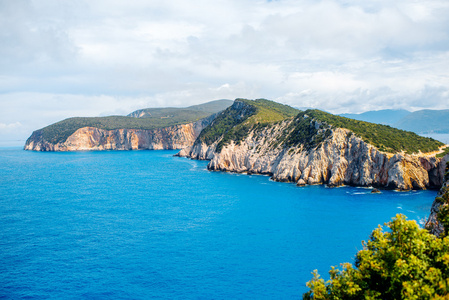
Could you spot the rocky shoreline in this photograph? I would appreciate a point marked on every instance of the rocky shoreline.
(342, 159)
(440, 208)
(91, 138)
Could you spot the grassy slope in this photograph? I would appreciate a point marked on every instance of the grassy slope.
(60, 131)
(384, 137)
(234, 124)
(162, 117)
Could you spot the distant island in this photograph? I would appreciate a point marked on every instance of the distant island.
(422, 121)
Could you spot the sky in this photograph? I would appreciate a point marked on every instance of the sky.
(61, 58)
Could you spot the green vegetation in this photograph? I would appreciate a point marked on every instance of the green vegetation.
(269, 111)
(225, 123)
(403, 262)
(445, 152)
(60, 131)
(306, 132)
(236, 121)
(384, 137)
(309, 128)
(154, 118)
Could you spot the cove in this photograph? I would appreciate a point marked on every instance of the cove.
(145, 224)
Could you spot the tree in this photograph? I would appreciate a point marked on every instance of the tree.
(403, 262)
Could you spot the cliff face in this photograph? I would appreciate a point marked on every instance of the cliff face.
(439, 213)
(90, 138)
(340, 159)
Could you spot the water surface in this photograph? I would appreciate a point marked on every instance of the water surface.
(145, 224)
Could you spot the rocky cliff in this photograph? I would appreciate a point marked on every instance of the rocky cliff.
(438, 221)
(91, 138)
(318, 154)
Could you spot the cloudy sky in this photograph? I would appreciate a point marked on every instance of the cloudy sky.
(60, 58)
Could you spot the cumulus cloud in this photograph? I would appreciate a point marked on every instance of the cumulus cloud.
(61, 59)
(10, 126)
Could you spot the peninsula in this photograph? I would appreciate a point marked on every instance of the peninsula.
(315, 147)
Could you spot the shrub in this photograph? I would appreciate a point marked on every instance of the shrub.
(383, 137)
(403, 262)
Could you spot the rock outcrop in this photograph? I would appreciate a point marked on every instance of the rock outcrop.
(341, 158)
(91, 138)
(440, 209)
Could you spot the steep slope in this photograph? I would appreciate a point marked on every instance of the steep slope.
(94, 138)
(385, 116)
(438, 221)
(316, 147)
(174, 128)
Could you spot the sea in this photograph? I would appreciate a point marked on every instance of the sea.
(148, 225)
(442, 137)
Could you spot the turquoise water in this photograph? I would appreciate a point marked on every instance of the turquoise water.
(145, 224)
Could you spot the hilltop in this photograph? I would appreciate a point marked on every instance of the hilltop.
(312, 147)
(383, 137)
(236, 121)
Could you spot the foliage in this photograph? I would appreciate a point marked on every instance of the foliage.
(384, 137)
(309, 128)
(60, 131)
(269, 111)
(403, 262)
(152, 118)
(444, 153)
(234, 123)
(224, 124)
(306, 131)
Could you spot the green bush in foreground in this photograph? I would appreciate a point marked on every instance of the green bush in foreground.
(404, 262)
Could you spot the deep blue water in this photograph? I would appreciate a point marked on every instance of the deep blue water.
(145, 224)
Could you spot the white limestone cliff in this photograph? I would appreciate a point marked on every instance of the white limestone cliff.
(341, 159)
(91, 138)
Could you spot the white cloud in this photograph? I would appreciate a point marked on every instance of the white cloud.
(61, 59)
(5, 127)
